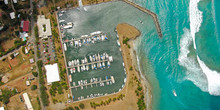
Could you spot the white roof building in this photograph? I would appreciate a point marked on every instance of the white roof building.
(12, 15)
(27, 101)
(15, 1)
(52, 73)
(2, 108)
(44, 27)
(6, 2)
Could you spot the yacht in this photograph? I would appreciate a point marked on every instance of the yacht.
(92, 66)
(99, 57)
(78, 68)
(69, 63)
(87, 67)
(65, 48)
(74, 70)
(90, 58)
(85, 59)
(70, 78)
(71, 71)
(71, 43)
(108, 64)
(174, 93)
(103, 64)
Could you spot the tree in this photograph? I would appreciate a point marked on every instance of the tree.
(81, 105)
(35, 74)
(23, 50)
(34, 87)
(76, 108)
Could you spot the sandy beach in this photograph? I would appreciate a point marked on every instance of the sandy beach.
(130, 58)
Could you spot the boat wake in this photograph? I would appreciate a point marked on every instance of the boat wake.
(203, 77)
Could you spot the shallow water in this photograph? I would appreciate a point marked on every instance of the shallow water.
(187, 59)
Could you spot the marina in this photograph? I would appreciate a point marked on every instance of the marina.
(80, 42)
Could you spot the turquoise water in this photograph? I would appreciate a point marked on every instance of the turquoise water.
(187, 59)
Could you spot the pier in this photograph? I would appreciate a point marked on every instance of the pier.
(150, 13)
(95, 82)
(87, 63)
(82, 38)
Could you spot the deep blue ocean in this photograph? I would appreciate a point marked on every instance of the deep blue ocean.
(186, 61)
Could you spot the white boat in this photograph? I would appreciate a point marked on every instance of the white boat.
(99, 57)
(106, 55)
(70, 78)
(174, 93)
(60, 15)
(78, 68)
(108, 64)
(84, 41)
(92, 66)
(95, 66)
(82, 68)
(93, 57)
(103, 37)
(106, 37)
(61, 21)
(103, 64)
(74, 70)
(95, 33)
(90, 58)
(69, 63)
(77, 61)
(85, 59)
(71, 71)
(72, 63)
(118, 43)
(68, 25)
(76, 43)
(64, 45)
(80, 44)
(82, 61)
(87, 67)
(100, 65)
(84, 36)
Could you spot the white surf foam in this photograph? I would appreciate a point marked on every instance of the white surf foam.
(193, 73)
(195, 16)
(213, 77)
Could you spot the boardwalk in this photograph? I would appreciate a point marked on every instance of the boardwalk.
(87, 63)
(150, 13)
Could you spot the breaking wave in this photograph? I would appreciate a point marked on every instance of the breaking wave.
(212, 77)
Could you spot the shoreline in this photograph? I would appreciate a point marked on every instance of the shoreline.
(134, 60)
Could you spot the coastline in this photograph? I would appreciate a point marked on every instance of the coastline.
(134, 60)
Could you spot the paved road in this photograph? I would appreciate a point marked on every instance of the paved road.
(35, 51)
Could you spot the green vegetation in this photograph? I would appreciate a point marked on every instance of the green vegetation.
(6, 94)
(76, 108)
(35, 11)
(125, 41)
(23, 50)
(35, 74)
(131, 68)
(17, 43)
(57, 87)
(44, 27)
(119, 97)
(44, 96)
(69, 108)
(140, 93)
(81, 105)
(34, 87)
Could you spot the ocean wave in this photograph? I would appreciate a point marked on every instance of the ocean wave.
(213, 78)
(193, 73)
(195, 22)
(195, 16)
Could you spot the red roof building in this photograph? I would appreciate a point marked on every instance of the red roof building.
(25, 26)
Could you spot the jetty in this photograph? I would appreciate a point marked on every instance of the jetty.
(150, 13)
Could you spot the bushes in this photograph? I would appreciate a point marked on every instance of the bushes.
(125, 41)
(44, 95)
(34, 87)
(23, 50)
(81, 105)
(35, 74)
(6, 94)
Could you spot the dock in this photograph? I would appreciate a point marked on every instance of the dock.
(150, 13)
(82, 38)
(95, 82)
(87, 63)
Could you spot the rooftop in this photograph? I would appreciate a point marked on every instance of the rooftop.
(52, 73)
(44, 26)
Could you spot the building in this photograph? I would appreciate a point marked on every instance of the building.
(44, 27)
(32, 60)
(12, 15)
(6, 2)
(52, 73)
(27, 101)
(2, 108)
(25, 26)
